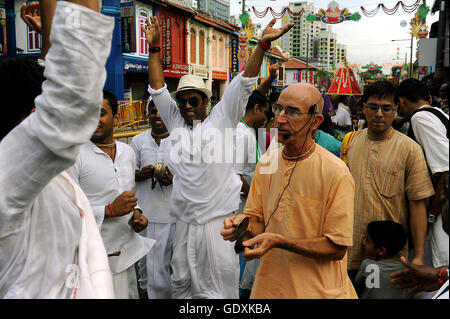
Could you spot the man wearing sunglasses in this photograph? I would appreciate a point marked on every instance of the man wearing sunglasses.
(204, 192)
(390, 174)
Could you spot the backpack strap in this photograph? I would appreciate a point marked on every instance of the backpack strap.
(345, 144)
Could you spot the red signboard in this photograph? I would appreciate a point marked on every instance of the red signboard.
(219, 75)
(166, 47)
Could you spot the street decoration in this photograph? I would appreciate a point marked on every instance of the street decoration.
(344, 83)
(419, 28)
(333, 15)
(372, 67)
(393, 10)
(247, 32)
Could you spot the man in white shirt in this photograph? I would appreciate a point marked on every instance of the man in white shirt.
(105, 170)
(154, 191)
(205, 190)
(430, 132)
(342, 119)
(41, 226)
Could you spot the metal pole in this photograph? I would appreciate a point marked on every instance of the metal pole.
(307, 59)
(410, 58)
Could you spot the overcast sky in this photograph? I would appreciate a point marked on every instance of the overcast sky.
(369, 39)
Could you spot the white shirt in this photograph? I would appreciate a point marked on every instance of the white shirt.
(103, 181)
(204, 188)
(155, 203)
(247, 153)
(431, 134)
(40, 227)
(342, 118)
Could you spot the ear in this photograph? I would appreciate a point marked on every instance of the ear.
(256, 108)
(381, 252)
(116, 119)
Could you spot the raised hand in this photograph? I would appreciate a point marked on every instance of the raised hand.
(152, 31)
(270, 34)
(274, 70)
(31, 15)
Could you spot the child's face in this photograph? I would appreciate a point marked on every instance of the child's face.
(368, 247)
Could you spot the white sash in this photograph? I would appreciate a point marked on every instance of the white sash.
(94, 275)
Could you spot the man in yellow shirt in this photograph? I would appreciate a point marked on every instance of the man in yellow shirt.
(390, 174)
(300, 208)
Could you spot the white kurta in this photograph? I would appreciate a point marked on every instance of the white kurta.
(103, 181)
(205, 191)
(40, 227)
(342, 118)
(246, 156)
(155, 204)
(431, 134)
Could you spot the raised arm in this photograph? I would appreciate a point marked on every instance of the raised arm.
(269, 34)
(153, 36)
(273, 74)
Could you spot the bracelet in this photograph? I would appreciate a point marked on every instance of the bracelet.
(264, 45)
(441, 275)
(111, 210)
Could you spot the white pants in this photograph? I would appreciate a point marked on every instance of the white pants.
(154, 268)
(125, 284)
(204, 265)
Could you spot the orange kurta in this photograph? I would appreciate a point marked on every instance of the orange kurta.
(317, 203)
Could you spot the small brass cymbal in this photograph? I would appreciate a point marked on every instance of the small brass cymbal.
(245, 235)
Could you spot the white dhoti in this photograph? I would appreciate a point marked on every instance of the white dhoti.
(125, 284)
(204, 265)
(154, 268)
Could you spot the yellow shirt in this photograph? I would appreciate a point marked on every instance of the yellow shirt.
(387, 173)
(317, 203)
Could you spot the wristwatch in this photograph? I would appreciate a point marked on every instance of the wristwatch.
(431, 219)
(154, 49)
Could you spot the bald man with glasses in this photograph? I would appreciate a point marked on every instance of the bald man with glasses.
(303, 207)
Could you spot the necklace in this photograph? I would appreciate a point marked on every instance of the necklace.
(159, 136)
(374, 138)
(290, 158)
(106, 145)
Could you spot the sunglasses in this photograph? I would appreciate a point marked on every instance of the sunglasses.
(193, 101)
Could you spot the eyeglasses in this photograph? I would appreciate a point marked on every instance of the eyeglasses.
(290, 111)
(384, 108)
(193, 101)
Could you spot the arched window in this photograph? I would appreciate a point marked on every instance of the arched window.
(193, 44)
(143, 48)
(214, 51)
(201, 48)
(221, 52)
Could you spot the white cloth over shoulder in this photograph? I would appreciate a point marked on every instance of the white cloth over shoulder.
(40, 227)
(94, 276)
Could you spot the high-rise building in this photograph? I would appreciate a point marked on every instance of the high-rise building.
(301, 40)
(217, 8)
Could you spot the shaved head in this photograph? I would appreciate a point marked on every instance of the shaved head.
(303, 95)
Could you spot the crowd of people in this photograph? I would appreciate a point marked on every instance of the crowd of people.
(306, 198)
